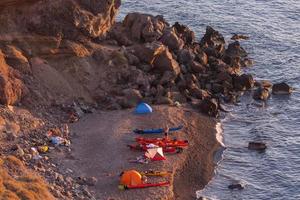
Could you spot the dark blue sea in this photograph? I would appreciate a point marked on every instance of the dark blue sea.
(274, 30)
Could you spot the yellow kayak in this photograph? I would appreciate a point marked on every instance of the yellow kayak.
(156, 173)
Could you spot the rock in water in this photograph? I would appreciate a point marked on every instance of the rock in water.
(238, 186)
(257, 146)
(281, 88)
(261, 94)
(243, 82)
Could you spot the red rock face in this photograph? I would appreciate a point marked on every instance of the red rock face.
(12, 88)
(67, 18)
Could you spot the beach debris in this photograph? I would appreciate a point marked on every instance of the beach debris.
(132, 179)
(239, 37)
(281, 88)
(140, 160)
(43, 149)
(35, 154)
(60, 141)
(257, 146)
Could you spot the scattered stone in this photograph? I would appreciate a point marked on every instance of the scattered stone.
(281, 88)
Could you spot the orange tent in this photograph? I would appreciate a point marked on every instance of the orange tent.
(131, 178)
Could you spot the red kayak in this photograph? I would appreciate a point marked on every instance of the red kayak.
(144, 185)
(162, 142)
(141, 147)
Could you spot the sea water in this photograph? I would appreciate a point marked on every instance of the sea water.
(274, 30)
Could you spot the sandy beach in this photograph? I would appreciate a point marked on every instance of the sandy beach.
(99, 150)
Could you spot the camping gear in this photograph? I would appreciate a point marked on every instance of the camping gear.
(132, 179)
(143, 108)
(155, 154)
(156, 173)
(145, 185)
(43, 149)
(169, 150)
(164, 141)
(154, 131)
(141, 160)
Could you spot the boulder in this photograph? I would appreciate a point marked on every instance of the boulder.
(185, 56)
(263, 84)
(198, 93)
(209, 107)
(131, 98)
(281, 88)
(164, 61)
(69, 18)
(235, 50)
(239, 37)
(177, 96)
(12, 89)
(171, 40)
(257, 146)
(243, 82)
(167, 77)
(213, 42)
(184, 33)
(238, 186)
(261, 94)
(234, 53)
(144, 27)
(201, 57)
(197, 67)
(163, 100)
(146, 52)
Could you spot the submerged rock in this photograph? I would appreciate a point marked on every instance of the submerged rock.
(281, 88)
(238, 186)
(257, 146)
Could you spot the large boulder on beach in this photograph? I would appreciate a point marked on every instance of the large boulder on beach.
(281, 88)
(243, 82)
(187, 35)
(171, 40)
(146, 52)
(213, 42)
(12, 88)
(144, 27)
(131, 98)
(164, 61)
(185, 56)
(209, 107)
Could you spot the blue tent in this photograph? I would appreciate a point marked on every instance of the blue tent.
(143, 108)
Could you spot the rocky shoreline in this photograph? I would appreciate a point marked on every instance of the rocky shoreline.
(62, 59)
